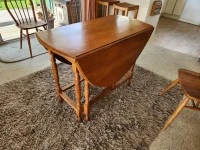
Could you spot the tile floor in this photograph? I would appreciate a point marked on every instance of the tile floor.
(178, 36)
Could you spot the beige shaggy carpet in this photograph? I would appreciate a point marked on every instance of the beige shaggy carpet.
(129, 118)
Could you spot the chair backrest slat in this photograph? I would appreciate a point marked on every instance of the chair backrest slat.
(21, 13)
(19, 10)
(14, 12)
(27, 11)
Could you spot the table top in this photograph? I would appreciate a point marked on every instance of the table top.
(81, 39)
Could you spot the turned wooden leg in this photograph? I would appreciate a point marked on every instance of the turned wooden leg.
(29, 43)
(78, 94)
(20, 38)
(114, 11)
(86, 105)
(180, 107)
(170, 86)
(56, 76)
(131, 76)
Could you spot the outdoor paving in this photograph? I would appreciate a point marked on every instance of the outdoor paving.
(8, 30)
(5, 17)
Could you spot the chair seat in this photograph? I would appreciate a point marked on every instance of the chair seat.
(127, 5)
(190, 82)
(110, 2)
(31, 25)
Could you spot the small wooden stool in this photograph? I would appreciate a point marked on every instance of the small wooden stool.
(190, 83)
(125, 8)
(105, 3)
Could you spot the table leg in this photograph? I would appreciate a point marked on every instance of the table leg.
(78, 94)
(86, 105)
(56, 77)
(131, 76)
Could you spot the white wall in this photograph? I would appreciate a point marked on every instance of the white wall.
(153, 20)
(191, 12)
(164, 6)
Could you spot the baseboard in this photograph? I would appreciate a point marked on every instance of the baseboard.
(171, 16)
(190, 21)
(180, 19)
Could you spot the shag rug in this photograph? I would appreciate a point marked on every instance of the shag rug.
(129, 118)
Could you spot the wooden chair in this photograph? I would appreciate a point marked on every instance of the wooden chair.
(106, 4)
(24, 18)
(125, 8)
(75, 10)
(190, 83)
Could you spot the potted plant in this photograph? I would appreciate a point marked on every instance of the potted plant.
(51, 19)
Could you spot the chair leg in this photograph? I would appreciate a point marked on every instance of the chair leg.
(177, 111)
(126, 12)
(20, 38)
(193, 103)
(135, 14)
(29, 43)
(107, 10)
(97, 9)
(44, 27)
(170, 86)
(197, 105)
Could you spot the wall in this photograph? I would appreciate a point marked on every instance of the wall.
(164, 6)
(153, 20)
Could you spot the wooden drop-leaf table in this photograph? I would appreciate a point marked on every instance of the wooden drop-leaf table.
(101, 51)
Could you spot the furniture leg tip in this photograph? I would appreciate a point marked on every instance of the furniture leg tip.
(79, 119)
(86, 118)
(60, 100)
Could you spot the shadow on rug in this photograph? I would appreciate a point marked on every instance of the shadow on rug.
(10, 52)
(129, 118)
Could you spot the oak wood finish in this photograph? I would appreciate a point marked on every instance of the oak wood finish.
(125, 8)
(100, 59)
(56, 77)
(106, 4)
(190, 83)
(87, 96)
(24, 18)
(78, 92)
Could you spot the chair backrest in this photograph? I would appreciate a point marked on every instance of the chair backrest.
(20, 11)
(75, 10)
(117, 8)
